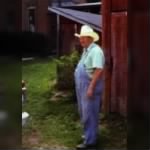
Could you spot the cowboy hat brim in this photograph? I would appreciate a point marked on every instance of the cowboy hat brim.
(94, 35)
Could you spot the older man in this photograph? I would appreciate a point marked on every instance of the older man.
(89, 84)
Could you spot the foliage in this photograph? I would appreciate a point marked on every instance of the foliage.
(65, 70)
(68, 60)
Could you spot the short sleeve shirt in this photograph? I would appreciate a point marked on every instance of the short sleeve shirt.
(93, 57)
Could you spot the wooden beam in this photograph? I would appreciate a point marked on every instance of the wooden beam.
(106, 45)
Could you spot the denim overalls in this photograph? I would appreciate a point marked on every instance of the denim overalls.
(89, 108)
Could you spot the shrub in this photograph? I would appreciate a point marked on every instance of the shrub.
(65, 70)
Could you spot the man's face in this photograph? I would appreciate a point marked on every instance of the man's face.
(85, 41)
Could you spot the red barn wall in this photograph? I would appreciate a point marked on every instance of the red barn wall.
(138, 46)
(126, 77)
(114, 43)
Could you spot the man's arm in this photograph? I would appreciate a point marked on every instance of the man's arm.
(96, 76)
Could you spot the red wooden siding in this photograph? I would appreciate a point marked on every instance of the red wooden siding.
(138, 85)
(119, 60)
(114, 43)
(119, 5)
(67, 43)
(106, 43)
(42, 16)
(138, 81)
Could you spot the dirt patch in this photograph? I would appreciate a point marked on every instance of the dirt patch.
(59, 95)
(31, 139)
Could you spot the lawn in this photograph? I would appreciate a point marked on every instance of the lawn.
(54, 122)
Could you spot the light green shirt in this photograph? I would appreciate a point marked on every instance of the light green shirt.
(93, 57)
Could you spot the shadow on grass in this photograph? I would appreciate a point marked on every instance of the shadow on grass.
(113, 132)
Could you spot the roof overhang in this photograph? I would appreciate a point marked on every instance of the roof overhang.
(94, 20)
(87, 4)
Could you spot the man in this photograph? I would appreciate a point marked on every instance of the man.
(89, 85)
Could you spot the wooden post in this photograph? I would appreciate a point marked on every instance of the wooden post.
(106, 44)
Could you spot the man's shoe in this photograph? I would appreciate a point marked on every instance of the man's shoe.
(86, 147)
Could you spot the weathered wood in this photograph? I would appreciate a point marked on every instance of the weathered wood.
(41, 19)
(114, 43)
(67, 31)
(119, 5)
(119, 57)
(106, 42)
(138, 47)
(138, 83)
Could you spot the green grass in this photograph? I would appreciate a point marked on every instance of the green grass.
(39, 76)
(56, 123)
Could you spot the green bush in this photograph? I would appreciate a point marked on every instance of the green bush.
(65, 70)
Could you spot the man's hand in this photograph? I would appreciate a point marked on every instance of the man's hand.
(89, 92)
(96, 76)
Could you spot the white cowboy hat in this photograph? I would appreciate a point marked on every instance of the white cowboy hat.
(87, 31)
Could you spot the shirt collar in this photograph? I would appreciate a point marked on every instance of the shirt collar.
(90, 46)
